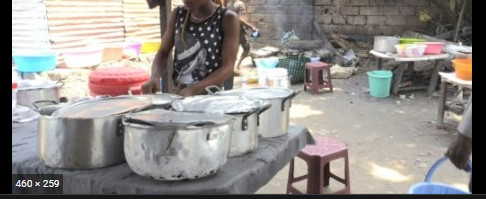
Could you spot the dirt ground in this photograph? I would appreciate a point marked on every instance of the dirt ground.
(392, 142)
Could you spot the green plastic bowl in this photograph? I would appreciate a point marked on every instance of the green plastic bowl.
(410, 40)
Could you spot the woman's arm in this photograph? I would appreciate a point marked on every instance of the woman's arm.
(246, 23)
(231, 28)
(159, 65)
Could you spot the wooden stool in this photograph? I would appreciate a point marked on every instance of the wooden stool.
(318, 158)
(317, 82)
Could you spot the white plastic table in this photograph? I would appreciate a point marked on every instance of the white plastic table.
(410, 62)
(448, 78)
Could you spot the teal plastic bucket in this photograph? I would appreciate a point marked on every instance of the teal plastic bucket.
(380, 83)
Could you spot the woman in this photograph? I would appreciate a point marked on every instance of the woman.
(205, 37)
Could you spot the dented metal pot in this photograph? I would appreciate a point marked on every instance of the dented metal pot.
(170, 146)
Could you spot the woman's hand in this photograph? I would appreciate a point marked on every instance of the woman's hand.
(459, 151)
(189, 91)
(151, 86)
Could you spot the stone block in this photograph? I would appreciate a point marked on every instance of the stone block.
(390, 10)
(356, 20)
(369, 10)
(322, 2)
(376, 20)
(338, 19)
(349, 10)
(341, 2)
(330, 28)
(360, 2)
(407, 10)
(396, 20)
(347, 29)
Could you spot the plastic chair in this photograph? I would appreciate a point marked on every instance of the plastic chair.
(317, 82)
(318, 158)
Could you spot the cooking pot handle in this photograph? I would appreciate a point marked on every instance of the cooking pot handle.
(60, 84)
(289, 98)
(208, 89)
(42, 101)
(265, 107)
(119, 127)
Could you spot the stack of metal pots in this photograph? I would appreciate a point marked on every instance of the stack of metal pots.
(87, 134)
(275, 121)
(164, 136)
(246, 113)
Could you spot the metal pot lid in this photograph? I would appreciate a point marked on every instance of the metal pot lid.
(103, 107)
(160, 117)
(260, 93)
(29, 84)
(163, 98)
(218, 104)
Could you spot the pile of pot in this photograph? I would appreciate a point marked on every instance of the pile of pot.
(88, 134)
(163, 137)
(193, 141)
(275, 121)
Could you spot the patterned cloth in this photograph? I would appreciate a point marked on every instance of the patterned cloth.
(199, 53)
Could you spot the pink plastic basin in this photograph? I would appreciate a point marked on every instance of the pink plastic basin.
(433, 48)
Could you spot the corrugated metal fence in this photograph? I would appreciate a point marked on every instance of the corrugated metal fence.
(29, 25)
(75, 23)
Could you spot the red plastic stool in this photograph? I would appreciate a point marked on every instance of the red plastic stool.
(318, 158)
(317, 82)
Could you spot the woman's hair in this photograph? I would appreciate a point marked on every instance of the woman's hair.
(219, 2)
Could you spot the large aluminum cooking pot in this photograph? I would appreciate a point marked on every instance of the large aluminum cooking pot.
(275, 121)
(31, 91)
(169, 145)
(87, 134)
(385, 44)
(244, 138)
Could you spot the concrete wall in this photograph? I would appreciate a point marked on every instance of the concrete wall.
(361, 19)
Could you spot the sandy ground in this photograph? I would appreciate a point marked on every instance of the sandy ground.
(392, 142)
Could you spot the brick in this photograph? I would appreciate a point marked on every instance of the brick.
(396, 20)
(324, 19)
(385, 30)
(322, 2)
(407, 10)
(418, 2)
(392, 2)
(338, 19)
(390, 10)
(303, 2)
(340, 2)
(347, 10)
(369, 10)
(377, 2)
(376, 20)
(367, 30)
(360, 2)
(326, 10)
(347, 29)
(330, 28)
(356, 20)
(415, 22)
